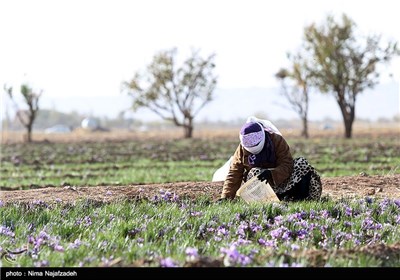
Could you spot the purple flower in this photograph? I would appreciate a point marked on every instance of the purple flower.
(347, 224)
(324, 214)
(44, 263)
(104, 243)
(38, 202)
(384, 204)
(168, 262)
(222, 231)
(196, 214)
(44, 235)
(261, 241)
(255, 227)
(210, 229)
(140, 241)
(267, 243)
(6, 231)
(75, 245)
(294, 247)
(58, 248)
(191, 253)
(302, 223)
(348, 212)
(278, 219)
(302, 234)
(313, 214)
(294, 217)
(368, 223)
(233, 257)
(241, 241)
(241, 231)
(348, 236)
(286, 236)
(87, 221)
(281, 232)
(368, 200)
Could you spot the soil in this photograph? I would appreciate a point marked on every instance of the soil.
(363, 185)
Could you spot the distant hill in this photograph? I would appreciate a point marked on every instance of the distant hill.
(229, 104)
(233, 104)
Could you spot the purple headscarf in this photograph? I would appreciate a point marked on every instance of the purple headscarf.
(252, 137)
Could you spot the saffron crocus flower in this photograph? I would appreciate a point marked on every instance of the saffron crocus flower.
(348, 211)
(6, 231)
(43, 263)
(58, 248)
(294, 247)
(302, 234)
(167, 262)
(242, 241)
(294, 217)
(222, 231)
(255, 227)
(87, 221)
(347, 224)
(233, 257)
(191, 253)
(44, 235)
(368, 223)
(313, 214)
(76, 244)
(278, 220)
(368, 200)
(195, 213)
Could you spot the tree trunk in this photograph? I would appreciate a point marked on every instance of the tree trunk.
(348, 124)
(188, 131)
(348, 119)
(29, 133)
(304, 132)
(188, 127)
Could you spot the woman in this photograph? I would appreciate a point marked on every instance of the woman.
(263, 152)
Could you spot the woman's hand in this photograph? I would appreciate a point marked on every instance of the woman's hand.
(266, 175)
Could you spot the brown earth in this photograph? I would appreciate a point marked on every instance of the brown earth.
(363, 185)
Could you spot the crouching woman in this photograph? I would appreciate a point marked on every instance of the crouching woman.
(264, 153)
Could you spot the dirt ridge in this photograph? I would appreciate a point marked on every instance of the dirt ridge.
(363, 185)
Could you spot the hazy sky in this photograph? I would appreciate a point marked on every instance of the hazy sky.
(88, 47)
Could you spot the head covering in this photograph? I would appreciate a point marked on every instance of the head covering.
(252, 137)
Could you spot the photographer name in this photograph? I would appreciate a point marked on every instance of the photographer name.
(46, 273)
(52, 273)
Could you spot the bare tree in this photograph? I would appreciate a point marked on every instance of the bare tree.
(345, 65)
(26, 117)
(295, 87)
(174, 93)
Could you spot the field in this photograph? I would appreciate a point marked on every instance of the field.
(146, 199)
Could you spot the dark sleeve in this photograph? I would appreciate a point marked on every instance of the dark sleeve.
(235, 175)
(284, 160)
